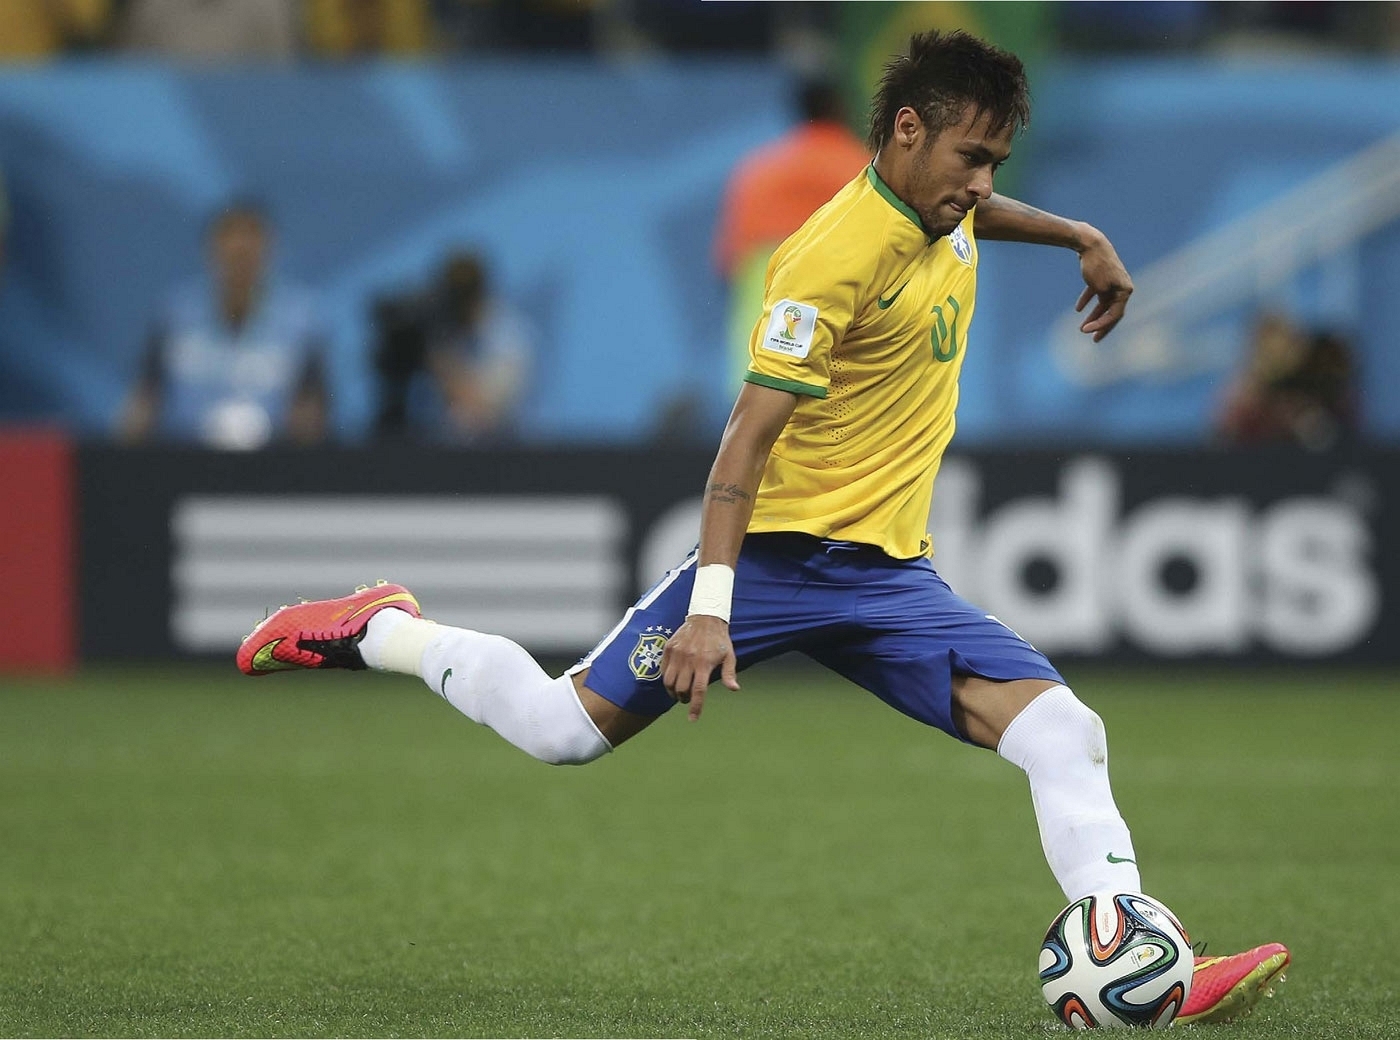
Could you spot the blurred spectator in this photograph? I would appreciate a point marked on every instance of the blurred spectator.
(550, 25)
(464, 25)
(1302, 25)
(453, 362)
(4, 224)
(1098, 25)
(683, 26)
(211, 28)
(770, 193)
(1257, 26)
(33, 29)
(235, 360)
(1296, 386)
(352, 28)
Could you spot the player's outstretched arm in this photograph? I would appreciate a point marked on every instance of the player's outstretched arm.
(1105, 278)
(702, 643)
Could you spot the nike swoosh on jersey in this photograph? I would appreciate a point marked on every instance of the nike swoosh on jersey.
(885, 304)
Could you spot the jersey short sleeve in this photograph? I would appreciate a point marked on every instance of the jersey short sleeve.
(809, 303)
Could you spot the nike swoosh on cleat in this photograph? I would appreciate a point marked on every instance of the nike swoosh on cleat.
(263, 661)
(397, 597)
(1120, 859)
(885, 304)
(443, 685)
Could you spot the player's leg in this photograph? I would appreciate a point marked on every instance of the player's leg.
(488, 678)
(938, 659)
(496, 683)
(612, 694)
(1060, 742)
(942, 661)
(616, 691)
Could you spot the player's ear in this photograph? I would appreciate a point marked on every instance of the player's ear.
(908, 127)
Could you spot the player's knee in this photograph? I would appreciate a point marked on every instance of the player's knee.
(562, 733)
(563, 750)
(1056, 727)
(1091, 739)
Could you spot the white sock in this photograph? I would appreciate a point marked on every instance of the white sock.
(490, 680)
(1061, 745)
(391, 644)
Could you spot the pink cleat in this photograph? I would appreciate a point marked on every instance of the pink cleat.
(323, 633)
(1226, 988)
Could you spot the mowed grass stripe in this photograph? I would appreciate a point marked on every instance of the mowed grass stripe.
(188, 852)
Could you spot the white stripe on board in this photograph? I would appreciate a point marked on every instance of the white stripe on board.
(545, 571)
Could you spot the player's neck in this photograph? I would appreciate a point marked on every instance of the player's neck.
(890, 172)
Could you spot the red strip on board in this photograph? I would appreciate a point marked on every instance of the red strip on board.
(37, 515)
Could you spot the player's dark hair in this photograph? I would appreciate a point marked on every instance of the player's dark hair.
(942, 74)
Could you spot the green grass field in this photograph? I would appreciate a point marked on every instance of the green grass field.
(186, 852)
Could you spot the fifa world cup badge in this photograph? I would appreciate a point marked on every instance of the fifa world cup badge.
(791, 325)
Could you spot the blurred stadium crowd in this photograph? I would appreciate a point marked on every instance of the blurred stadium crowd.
(321, 206)
(284, 29)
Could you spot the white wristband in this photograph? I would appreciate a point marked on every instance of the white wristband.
(714, 589)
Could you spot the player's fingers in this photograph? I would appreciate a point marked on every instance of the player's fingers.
(1090, 323)
(676, 679)
(1084, 298)
(728, 673)
(1111, 315)
(668, 671)
(696, 699)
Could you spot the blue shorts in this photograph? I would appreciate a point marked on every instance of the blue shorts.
(893, 627)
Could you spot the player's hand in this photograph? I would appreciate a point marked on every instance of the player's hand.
(691, 656)
(1106, 279)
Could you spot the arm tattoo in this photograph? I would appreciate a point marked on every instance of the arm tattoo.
(728, 493)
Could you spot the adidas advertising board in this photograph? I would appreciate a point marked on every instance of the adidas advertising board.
(1149, 556)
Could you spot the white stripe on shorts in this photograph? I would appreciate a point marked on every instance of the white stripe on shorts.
(641, 604)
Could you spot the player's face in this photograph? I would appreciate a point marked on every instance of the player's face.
(952, 172)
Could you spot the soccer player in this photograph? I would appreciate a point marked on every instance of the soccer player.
(812, 534)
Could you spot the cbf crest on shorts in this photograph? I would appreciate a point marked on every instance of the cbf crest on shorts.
(645, 659)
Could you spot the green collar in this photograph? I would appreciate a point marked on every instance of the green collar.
(894, 200)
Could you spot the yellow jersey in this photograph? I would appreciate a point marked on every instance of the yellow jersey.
(865, 319)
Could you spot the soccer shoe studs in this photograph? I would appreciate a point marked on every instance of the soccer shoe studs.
(1224, 989)
(322, 633)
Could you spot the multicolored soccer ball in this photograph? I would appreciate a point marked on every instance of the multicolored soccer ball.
(1116, 959)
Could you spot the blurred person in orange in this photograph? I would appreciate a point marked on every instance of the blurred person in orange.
(235, 357)
(771, 192)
